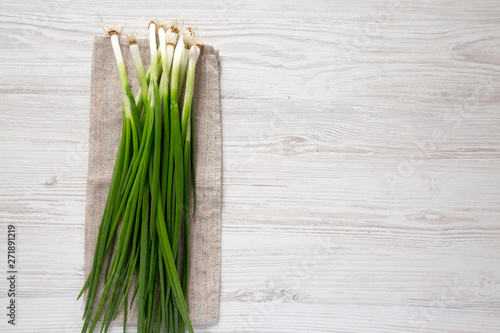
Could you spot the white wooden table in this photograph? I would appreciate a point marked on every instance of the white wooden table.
(361, 144)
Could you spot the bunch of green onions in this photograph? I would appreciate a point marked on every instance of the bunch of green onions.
(148, 201)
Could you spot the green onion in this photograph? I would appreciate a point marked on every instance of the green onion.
(194, 53)
(150, 190)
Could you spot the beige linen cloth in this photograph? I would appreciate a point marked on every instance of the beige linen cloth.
(105, 132)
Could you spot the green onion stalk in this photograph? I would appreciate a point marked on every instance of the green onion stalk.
(163, 309)
(187, 137)
(172, 36)
(130, 133)
(148, 245)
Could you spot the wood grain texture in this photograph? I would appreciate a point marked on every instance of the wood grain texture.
(361, 153)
